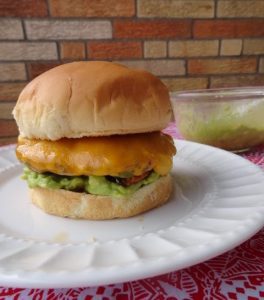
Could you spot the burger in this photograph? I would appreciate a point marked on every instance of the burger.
(91, 142)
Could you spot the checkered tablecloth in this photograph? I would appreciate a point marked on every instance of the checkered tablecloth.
(237, 274)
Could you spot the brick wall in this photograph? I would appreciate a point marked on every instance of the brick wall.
(190, 44)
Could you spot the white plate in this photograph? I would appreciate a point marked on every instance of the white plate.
(218, 203)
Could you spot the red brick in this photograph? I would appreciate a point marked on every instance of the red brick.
(228, 28)
(261, 65)
(152, 29)
(6, 109)
(92, 8)
(72, 50)
(8, 140)
(222, 66)
(35, 69)
(8, 128)
(114, 50)
(23, 8)
(10, 91)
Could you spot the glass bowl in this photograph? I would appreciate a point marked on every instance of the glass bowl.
(228, 118)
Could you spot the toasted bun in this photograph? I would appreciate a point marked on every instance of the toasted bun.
(84, 206)
(92, 99)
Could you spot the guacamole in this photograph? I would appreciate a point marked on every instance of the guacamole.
(96, 185)
(225, 126)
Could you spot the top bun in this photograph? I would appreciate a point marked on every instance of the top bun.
(92, 99)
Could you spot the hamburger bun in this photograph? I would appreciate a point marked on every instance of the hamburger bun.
(94, 98)
(86, 206)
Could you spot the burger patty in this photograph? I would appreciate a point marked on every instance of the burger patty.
(130, 180)
(99, 156)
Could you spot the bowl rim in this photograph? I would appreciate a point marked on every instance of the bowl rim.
(219, 94)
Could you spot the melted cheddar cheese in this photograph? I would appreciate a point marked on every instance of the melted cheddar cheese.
(108, 155)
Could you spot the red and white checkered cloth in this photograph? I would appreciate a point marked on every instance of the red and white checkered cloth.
(237, 274)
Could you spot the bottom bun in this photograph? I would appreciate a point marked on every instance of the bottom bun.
(86, 206)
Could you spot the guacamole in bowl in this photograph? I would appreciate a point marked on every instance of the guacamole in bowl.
(231, 119)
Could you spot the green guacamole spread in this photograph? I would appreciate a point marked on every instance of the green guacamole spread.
(96, 185)
(226, 127)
